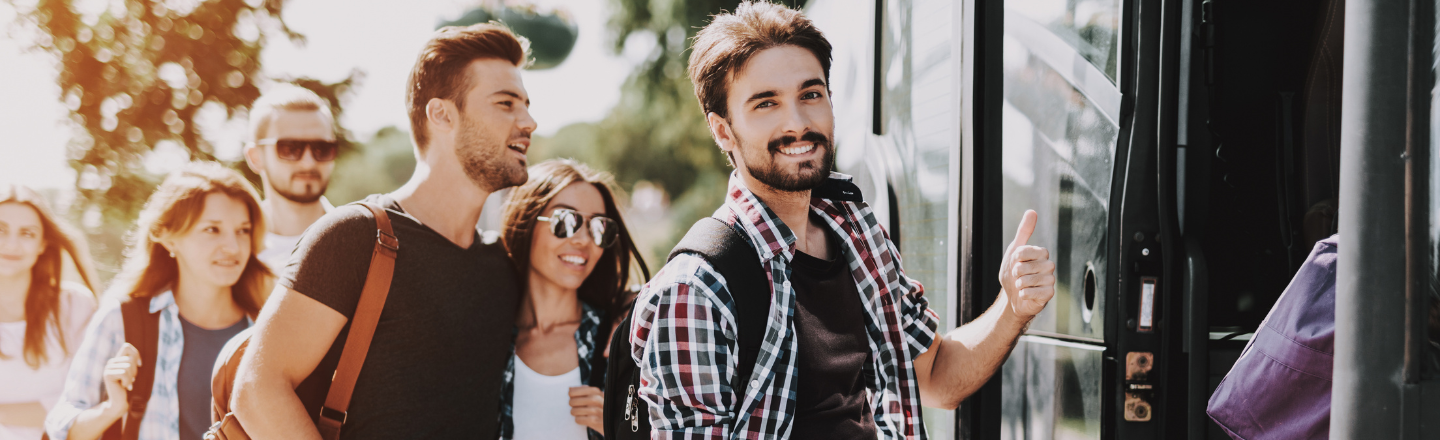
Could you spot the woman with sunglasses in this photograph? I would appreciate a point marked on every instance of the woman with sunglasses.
(564, 232)
(41, 317)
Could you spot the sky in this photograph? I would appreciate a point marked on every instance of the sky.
(376, 37)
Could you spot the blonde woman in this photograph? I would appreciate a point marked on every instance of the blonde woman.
(192, 261)
(41, 318)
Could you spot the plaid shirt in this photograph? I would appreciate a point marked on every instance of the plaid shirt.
(585, 346)
(684, 331)
(85, 387)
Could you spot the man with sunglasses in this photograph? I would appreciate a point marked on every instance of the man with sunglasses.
(293, 150)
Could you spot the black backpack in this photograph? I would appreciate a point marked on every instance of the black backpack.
(626, 415)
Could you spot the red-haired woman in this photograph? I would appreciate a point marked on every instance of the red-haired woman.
(192, 261)
(41, 317)
(564, 232)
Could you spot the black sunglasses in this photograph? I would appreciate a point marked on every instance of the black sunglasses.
(294, 149)
(565, 223)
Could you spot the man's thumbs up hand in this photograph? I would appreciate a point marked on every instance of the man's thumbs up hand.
(1026, 272)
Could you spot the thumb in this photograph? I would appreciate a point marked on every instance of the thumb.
(1027, 227)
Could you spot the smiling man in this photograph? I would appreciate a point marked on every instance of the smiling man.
(850, 348)
(437, 357)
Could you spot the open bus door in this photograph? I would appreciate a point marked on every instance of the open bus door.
(1184, 156)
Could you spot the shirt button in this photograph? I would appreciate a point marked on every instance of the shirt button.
(754, 384)
(785, 285)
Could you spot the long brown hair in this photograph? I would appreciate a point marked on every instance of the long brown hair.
(173, 209)
(606, 287)
(42, 301)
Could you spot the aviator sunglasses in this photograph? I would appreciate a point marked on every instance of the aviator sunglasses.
(565, 223)
(294, 149)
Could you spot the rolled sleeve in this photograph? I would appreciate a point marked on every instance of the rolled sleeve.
(84, 384)
(917, 320)
(685, 337)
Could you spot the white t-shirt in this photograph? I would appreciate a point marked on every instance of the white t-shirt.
(277, 251)
(279, 247)
(21, 384)
(542, 405)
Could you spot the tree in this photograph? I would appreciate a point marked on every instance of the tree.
(139, 75)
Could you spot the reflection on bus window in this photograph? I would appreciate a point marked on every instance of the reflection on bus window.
(1092, 27)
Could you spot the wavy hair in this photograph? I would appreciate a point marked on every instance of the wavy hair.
(173, 209)
(42, 301)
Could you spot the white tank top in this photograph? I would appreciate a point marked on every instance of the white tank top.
(542, 405)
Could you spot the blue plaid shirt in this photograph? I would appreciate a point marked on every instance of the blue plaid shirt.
(684, 329)
(85, 387)
(585, 343)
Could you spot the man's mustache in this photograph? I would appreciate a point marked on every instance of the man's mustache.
(311, 174)
(784, 141)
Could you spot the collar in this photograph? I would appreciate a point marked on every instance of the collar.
(162, 301)
(764, 227)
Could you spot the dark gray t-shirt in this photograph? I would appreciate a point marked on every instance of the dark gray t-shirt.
(438, 356)
(197, 361)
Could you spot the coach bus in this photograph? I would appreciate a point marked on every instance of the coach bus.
(1184, 156)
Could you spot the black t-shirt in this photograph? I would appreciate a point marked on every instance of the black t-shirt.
(833, 350)
(438, 356)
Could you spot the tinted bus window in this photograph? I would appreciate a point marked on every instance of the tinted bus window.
(1059, 136)
(1091, 27)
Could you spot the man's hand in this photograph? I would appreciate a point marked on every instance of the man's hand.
(587, 404)
(1026, 272)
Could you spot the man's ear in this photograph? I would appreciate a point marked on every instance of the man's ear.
(720, 130)
(255, 158)
(439, 114)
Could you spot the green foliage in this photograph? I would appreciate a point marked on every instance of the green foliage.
(657, 132)
(552, 34)
(382, 165)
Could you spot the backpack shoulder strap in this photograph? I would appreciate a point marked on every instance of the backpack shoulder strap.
(722, 246)
(142, 330)
(362, 326)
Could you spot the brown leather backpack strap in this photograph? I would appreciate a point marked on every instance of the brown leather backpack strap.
(362, 326)
(142, 329)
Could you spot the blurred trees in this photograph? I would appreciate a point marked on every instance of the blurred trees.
(657, 132)
(379, 166)
(141, 76)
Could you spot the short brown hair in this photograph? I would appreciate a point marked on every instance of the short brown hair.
(723, 47)
(439, 71)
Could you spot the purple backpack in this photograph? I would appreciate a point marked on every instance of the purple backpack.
(1280, 387)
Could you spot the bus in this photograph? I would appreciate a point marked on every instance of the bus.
(1184, 157)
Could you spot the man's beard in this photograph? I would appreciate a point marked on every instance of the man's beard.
(490, 168)
(305, 195)
(810, 175)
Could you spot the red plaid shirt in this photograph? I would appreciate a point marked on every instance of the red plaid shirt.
(685, 341)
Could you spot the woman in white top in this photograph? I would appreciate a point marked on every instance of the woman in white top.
(41, 317)
(564, 232)
(192, 263)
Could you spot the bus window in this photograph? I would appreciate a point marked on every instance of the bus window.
(1090, 27)
(1059, 135)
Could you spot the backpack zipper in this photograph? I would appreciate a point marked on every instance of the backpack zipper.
(631, 412)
